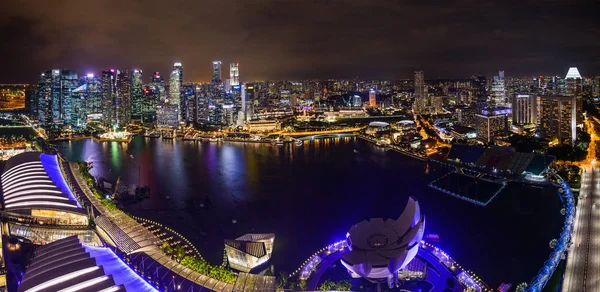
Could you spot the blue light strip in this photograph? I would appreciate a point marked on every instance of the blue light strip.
(539, 282)
(121, 273)
(50, 163)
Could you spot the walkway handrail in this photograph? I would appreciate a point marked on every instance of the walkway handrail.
(541, 279)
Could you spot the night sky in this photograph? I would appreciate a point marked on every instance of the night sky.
(289, 39)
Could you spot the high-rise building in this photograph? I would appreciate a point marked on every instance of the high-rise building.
(188, 95)
(248, 100)
(524, 109)
(150, 101)
(44, 96)
(158, 84)
(480, 89)
(573, 87)
(499, 89)
(55, 89)
(202, 104)
(93, 96)
(558, 118)
(68, 83)
(175, 87)
(137, 97)
(109, 95)
(490, 124)
(123, 100)
(234, 74)
(78, 114)
(216, 71)
(420, 94)
(372, 98)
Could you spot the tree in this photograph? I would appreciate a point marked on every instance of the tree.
(179, 253)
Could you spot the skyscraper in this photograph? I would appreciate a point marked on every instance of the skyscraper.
(499, 89)
(558, 118)
(573, 87)
(524, 109)
(158, 84)
(109, 94)
(175, 82)
(136, 94)
(123, 100)
(93, 91)
(216, 71)
(55, 100)
(44, 95)
(372, 98)
(420, 98)
(68, 83)
(480, 89)
(234, 74)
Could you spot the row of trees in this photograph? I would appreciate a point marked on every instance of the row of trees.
(203, 267)
(84, 170)
(328, 285)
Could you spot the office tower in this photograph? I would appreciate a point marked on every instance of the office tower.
(55, 100)
(44, 94)
(372, 98)
(573, 87)
(108, 82)
(524, 109)
(158, 85)
(573, 82)
(234, 74)
(175, 83)
(201, 104)
(419, 93)
(216, 71)
(480, 89)
(150, 97)
(248, 100)
(558, 118)
(466, 116)
(68, 83)
(31, 101)
(79, 105)
(137, 97)
(490, 124)
(188, 108)
(356, 101)
(499, 89)
(123, 99)
(93, 96)
(437, 102)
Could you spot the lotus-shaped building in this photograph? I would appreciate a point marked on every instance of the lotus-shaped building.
(379, 248)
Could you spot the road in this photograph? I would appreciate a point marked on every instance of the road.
(583, 263)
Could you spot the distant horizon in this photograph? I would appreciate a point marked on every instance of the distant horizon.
(302, 39)
(225, 73)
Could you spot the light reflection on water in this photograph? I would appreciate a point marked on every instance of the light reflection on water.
(310, 195)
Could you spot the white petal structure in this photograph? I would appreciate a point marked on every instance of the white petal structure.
(378, 248)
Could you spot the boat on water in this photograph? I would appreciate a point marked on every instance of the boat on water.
(154, 135)
(279, 143)
(299, 142)
(213, 139)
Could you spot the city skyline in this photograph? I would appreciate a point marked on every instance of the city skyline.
(273, 40)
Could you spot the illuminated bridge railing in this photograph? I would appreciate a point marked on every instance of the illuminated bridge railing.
(538, 283)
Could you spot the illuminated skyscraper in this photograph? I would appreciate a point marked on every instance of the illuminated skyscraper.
(93, 92)
(499, 89)
(573, 87)
(44, 95)
(109, 94)
(158, 84)
(137, 96)
(68, 83)
(558, 118)
(420, 94)
(175, 82)
(123, 100)
(524, 109)
(480, 90)
(372, 98)
(216, 71)
(234, 74)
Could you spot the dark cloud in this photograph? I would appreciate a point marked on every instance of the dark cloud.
(287, 39)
